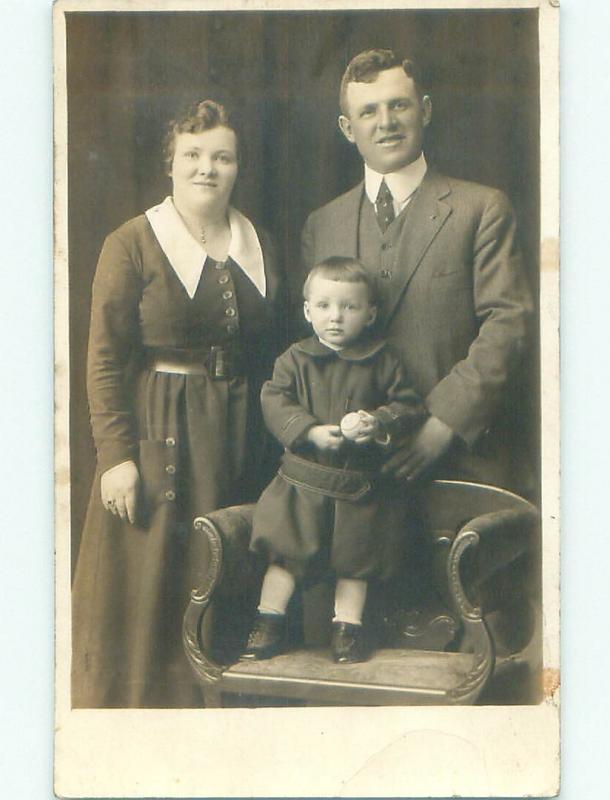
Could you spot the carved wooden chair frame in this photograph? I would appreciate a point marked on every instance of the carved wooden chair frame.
(480, 535)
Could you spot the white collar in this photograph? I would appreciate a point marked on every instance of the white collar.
(401, 183)
(330, 346)
(187, 256)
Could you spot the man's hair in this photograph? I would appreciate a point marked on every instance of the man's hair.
(199, 117)
(343, 270)
(366, 66)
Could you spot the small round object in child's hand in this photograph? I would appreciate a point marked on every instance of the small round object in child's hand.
(351, 425)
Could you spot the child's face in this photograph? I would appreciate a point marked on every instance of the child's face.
(339, 311)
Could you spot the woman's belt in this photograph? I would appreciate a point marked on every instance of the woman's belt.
(342, 484)
(220, 362)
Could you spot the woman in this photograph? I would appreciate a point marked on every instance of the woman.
(183, 332)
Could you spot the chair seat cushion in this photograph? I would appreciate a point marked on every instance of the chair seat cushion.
(389, 677)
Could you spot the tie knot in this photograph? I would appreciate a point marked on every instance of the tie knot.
(384, 206)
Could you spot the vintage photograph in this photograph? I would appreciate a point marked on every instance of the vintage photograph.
(303, 463)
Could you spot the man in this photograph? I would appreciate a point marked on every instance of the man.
(454, 300)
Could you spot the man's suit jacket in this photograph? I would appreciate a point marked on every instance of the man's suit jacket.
(457, 309)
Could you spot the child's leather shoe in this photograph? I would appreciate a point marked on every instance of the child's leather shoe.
(348, 643)
(266, 638)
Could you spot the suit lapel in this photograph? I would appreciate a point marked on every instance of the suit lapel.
(427, 214)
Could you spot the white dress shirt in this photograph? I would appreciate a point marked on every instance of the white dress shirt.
(402, 183)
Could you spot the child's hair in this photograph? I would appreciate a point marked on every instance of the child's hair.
(341, 269)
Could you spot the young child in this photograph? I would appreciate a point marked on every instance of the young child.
(335, 401)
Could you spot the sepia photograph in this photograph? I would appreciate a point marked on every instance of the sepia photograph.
(307, 438)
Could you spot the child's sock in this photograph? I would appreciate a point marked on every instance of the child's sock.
(277, 590)
(350, 596)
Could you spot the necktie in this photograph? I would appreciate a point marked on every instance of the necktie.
(384, 207)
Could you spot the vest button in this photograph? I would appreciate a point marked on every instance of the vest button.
(223, 279)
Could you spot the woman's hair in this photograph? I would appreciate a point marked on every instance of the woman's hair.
(341, 269)
(201, 116)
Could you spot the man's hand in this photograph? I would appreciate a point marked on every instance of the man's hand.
(325, 437)
(119, 488)
(430, 443)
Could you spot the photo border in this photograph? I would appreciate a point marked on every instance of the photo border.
(185, 753)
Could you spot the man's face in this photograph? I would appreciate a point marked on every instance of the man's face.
(386, 120)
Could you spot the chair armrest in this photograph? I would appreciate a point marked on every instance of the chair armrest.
(503, 538)
(224, 578)
(233, 527)
(476, 638)
(494, 575)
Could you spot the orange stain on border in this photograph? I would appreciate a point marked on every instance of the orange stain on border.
(550, 681)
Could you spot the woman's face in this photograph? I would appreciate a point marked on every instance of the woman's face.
(204, 168)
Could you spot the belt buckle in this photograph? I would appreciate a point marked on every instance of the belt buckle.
(219, 363)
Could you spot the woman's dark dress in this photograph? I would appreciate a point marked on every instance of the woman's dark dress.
(199, 444)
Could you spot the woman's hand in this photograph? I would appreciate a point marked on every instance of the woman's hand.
(119, 487)
(325, 437)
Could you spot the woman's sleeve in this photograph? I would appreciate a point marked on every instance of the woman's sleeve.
(113, 333)
(277, 293)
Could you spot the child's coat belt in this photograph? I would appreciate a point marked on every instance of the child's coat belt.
(342, 484)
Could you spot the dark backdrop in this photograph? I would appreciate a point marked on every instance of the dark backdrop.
(128, 73)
